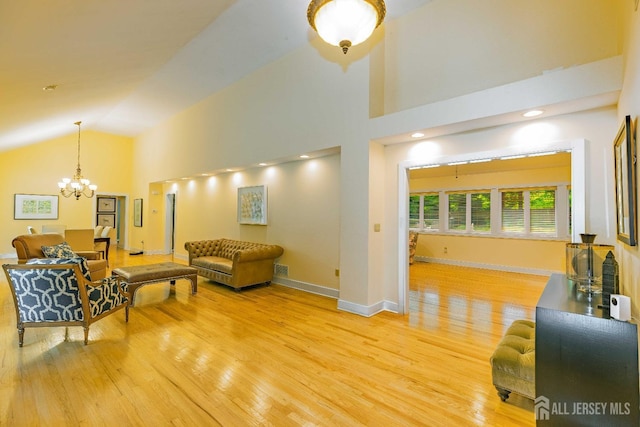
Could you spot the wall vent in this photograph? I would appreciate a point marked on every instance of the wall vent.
(281, 270)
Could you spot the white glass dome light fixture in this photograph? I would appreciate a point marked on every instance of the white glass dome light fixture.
(345, 23)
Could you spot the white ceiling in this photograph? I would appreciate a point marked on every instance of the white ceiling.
(122, 66)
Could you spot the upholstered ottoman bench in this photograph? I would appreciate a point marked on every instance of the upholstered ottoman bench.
(513, 361)
(141, 275)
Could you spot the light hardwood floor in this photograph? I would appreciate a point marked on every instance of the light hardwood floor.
(272, 356)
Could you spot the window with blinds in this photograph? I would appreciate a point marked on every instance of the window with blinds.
(523, 212)
(458, 211)
(542, 211)
(424, 211)
(513, 211)
(431, 212)
(481, 212)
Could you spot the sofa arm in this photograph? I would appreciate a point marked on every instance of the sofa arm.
(257, 253)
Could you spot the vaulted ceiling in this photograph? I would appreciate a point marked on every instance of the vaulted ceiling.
(123, 66)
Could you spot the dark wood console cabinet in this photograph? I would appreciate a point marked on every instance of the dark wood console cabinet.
(586, 365)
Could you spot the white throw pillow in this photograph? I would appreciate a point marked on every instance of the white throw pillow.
(105, 231)
(97, 232)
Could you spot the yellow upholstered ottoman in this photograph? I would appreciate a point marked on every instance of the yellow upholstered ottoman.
(513, 361)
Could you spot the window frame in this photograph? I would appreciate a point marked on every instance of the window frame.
(562, 212)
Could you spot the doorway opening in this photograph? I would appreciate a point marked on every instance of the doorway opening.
(578, 203)
(170, 221)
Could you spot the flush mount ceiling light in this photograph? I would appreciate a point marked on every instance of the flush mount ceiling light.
(345, 23)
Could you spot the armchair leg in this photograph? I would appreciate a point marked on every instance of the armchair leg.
(126, 313)
(86, 335)
(20, 336)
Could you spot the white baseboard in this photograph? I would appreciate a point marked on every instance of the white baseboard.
(498, 267)
(307, 287)
(367, 311)
(9, 255)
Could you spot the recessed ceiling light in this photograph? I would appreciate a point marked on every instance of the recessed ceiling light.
(532, 113)
(304, 156)
(49, 88)
(417, 135)
(229, 170)
(262, 164)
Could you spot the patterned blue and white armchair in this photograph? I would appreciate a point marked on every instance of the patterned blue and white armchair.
(59, 292)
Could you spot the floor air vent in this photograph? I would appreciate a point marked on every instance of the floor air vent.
(281, 270)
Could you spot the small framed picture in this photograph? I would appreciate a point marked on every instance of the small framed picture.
(106, 204)
(252, 205)
(624, 153)
(107, 220)
(137, 213)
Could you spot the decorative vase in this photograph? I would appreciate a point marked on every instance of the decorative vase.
(584, 263)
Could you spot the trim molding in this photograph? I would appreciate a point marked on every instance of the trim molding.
(498, 267)
(306, 287)
(367, 310)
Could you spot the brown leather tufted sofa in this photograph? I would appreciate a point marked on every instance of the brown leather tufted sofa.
(29, 246)
(233, 262)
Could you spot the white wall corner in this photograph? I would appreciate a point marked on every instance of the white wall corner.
(367, 310)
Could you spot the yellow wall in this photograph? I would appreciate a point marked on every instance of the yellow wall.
(491, 43)
(36, 169)
(536, 256)
(533, 256)
(303, 214)
(494, 179)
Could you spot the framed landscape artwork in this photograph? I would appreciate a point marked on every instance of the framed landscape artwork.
(33, 206)
(252, 205)
(624, 151)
